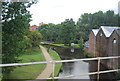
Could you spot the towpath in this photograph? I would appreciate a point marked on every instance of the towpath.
(49, 67)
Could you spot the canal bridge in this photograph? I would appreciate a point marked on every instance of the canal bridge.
(98, 72)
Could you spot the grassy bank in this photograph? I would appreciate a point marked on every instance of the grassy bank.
(29, 71)
(75, 45)
(55, 56)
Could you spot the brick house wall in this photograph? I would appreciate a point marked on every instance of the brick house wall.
(33, 27)
(114, 44)
(101, 44)
(91, 43)
(114, 48)
(106, 43)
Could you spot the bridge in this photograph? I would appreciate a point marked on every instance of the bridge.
(98, 72)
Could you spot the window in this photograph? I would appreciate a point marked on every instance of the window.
(101, 34)
(114, 41)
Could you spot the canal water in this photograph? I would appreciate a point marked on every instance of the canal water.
(79, 67)
(72, 68)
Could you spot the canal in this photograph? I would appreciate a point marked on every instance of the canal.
(79, 67)
(72, 68)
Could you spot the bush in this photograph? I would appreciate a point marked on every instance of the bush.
(35, 38)
(88, 55)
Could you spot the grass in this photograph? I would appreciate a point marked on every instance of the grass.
(29, 71)
(59, 44)
(75, 45)
(55, 56)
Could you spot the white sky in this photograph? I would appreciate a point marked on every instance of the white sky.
(56, 11)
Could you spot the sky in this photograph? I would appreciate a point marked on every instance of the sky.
(56, 11)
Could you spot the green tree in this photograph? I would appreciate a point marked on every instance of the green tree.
(15, 21)
(68, 31)
(89, 21)
(50, 32)
(35, 38)
(43, 29)
(81, 43)
(27, 42)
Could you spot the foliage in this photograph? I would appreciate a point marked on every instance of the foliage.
(50, 32)
(27, 42)
(81, 43)
(35, 38)
(89, 21)
(69, 31)
(15, 21)
(87, 54)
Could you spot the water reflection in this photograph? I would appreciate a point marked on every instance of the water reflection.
(72, 49)
(74, 68)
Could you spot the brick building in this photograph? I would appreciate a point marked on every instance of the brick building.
(114, 47)
(99, 40)
(33, 27)
(105, 42)
(92, 41)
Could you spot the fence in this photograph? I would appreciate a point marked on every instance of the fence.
(62, 61)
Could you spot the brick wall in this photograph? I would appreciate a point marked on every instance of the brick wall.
(91, 43)
(101, 44)
(114, 49)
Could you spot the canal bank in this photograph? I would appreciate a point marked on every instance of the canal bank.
(78, 68)
(48, 69)
(49, 56)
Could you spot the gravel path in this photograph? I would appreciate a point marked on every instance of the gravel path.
(49, 67)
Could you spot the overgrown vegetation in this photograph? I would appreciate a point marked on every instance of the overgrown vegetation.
(87, 54)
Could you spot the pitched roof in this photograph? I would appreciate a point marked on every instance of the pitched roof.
(95, 31)
(118, 31)
(108, 30)
(34, 26)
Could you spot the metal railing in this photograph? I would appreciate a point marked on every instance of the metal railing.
(62, 61)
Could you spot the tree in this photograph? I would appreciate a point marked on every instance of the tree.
(43, 29)
(89, 21)
(51, 32)
(68, 31)
(15, 21)
(81, 43)
(35, 38)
